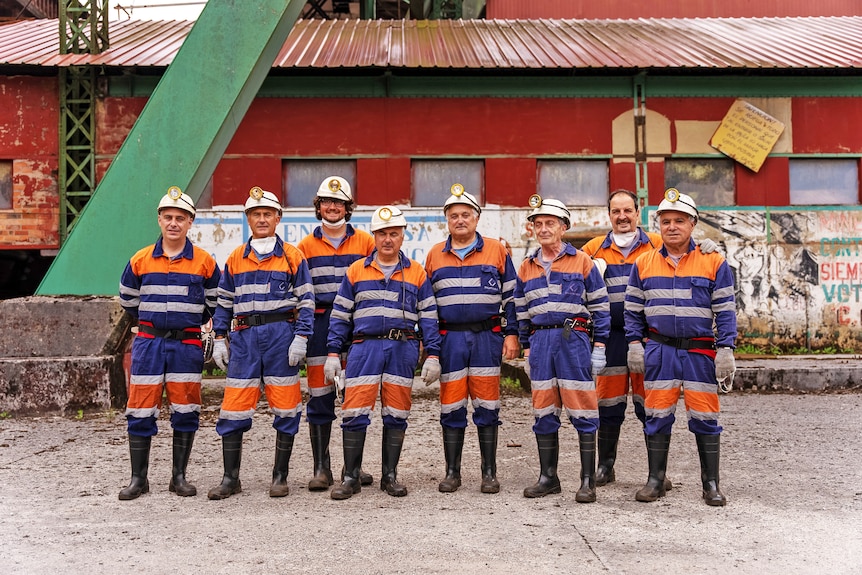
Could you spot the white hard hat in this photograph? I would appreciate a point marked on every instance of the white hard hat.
(674, 201)
(387, 217)
(258, 198)
(335, 187)
(459, 196)
(549, 207)
(175, 198)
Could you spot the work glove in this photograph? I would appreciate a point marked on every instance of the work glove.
(332, 368)
(296, 351)
(725, 364)
(431, 370)
(527, 365)
(601, 264)
(635, 357)
(220, 353)
(598, 360)
(707, 246)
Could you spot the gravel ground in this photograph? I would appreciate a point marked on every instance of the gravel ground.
(790, 470)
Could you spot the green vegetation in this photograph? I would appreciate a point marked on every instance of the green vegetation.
(751, 349)
(509, 384)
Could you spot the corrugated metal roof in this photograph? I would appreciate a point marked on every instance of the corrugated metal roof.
(715, 43)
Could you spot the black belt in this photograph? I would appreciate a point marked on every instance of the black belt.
(394, 335)
(323, 308)
(682, 342)
(476, 326)
(575, 323)
(189, 333)
(243, 321)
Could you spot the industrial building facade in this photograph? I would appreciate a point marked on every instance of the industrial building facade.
(567, 109)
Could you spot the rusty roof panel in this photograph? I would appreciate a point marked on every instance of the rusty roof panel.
(714, 43)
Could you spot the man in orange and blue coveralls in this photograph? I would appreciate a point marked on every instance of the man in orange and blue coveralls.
(329, 250)
(675, 296)
(616, 252)
(170, 288)
(474, 283)
(265, 300)
(560, 299)
(379, 305)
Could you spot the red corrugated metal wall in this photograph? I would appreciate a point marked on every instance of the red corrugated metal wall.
(625, 9)
(384, 134)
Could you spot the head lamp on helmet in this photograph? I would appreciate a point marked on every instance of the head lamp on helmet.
(387, 217)
(175, 198)
(459, 196)
(674, 201)
(549, 207)
(335, 187)
(258, 198)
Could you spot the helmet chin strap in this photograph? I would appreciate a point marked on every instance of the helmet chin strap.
(334, 225)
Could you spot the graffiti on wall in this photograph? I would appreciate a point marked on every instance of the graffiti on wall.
(798, 273)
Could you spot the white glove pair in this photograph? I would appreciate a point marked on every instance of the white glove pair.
(598, 360)
(431, 370)
(220, 353)
(297, 350)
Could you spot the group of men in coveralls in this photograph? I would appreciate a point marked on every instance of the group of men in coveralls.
(630, 309)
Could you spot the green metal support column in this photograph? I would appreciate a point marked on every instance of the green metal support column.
(178, 140)
(641, 165)
(83, 30)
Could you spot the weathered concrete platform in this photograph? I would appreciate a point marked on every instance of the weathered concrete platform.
(62, 354)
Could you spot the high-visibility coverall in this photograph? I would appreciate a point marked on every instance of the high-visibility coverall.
(612, 386)
(253, 288)
(167, 293)
(370, 310)
(327, 265)
(681, 301)
(559, 359)
(473, 296)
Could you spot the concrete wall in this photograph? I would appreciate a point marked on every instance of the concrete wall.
(61, 354)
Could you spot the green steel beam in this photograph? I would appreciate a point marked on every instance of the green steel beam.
(178, 139)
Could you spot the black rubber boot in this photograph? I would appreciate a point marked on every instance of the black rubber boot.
(354, 444)
(709, 450)
(230, 483)
(657, 448)
(587, 492)
(139, 453)
(393, 440)
(453, 446)
(667, 482)
(183, 441)
(283, 450)
(549, 455)
(319, 435)
(608, 438)
(488, 450)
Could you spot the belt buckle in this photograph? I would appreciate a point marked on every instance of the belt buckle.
(394, 334)
(684, 343)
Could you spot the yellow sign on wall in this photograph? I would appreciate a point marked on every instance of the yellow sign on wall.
(747, 134)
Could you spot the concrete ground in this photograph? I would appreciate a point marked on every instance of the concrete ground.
(790, 469)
